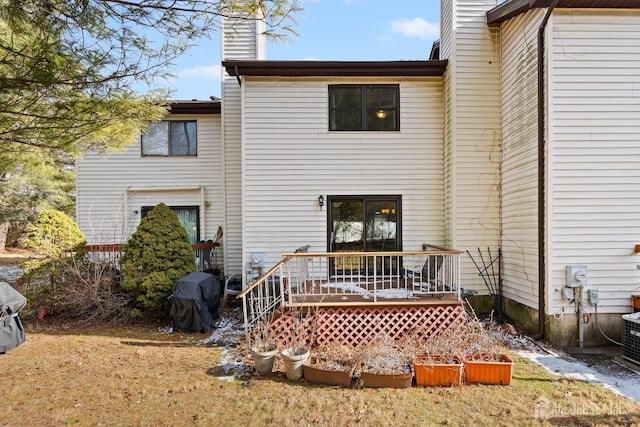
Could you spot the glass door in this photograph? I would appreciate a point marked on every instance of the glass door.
(364, 224)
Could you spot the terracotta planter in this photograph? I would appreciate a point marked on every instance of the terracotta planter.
(434, 371)
(635, 301)
(326, 376)
(294, 359)
(482, 369)
(386, 380)
(263, 359)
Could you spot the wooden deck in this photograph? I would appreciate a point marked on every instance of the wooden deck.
(352, 298)
(353, 313)
(389, 292)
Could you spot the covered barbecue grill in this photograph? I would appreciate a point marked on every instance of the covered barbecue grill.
(194, 302)
(11, 330)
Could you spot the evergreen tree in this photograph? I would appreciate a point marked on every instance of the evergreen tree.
(56, 238)
(71, 72)
(156, 256)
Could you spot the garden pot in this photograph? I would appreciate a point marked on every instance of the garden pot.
(437, 371)
(326, 376)
(483, 369)
(372, 380)
(635, 301)
(263, 359)
(294, 358)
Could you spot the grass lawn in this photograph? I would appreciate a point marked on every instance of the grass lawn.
(130, 376)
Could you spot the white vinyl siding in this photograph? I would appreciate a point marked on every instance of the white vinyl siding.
(290, 158)
(473, 142)
(109, 183)
(242, 39)
(231, 116)
(594, 111)
(446, 25)
(520, 157)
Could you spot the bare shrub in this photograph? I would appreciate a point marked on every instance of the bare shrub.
(479, 344)
(335, 357)
(384, 356)
(259, 337)
(446, 347)
(88, 290)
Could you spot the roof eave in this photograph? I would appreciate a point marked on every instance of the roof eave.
(334, 68)
(507, 10)
(194, 107)
(511, 8)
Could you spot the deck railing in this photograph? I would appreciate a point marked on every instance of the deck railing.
(339, 278)
(110, 254)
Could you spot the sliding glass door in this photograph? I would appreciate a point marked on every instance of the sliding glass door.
(363, 224)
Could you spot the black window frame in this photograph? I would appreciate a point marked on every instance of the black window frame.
(365, 266)
(169, 146)
(364, 108)
(396, 198)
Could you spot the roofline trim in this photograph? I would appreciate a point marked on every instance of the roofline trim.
(194, 107)
(334, 68)
(507, 10)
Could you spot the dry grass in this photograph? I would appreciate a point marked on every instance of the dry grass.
(138, 376)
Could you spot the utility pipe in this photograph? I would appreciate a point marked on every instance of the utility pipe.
(580, 312)
(541, 174)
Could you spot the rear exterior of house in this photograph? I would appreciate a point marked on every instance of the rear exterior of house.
(591, 155)
(114, 190)
(449, 155)
(360, 176)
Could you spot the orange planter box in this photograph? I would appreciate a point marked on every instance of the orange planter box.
(481, 369)
(435, 372)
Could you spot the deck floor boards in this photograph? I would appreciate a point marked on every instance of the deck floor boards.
(388, 292)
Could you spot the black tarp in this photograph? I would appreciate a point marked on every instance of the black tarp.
(11, 330)
(194, 302)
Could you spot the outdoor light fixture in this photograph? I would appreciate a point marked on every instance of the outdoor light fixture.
(321, 201)
(381, 114)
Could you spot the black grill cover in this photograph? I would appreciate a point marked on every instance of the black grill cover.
(11, 330)
(194, 302)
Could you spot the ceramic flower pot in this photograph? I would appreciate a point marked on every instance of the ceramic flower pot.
(294, 358)
(263, 359)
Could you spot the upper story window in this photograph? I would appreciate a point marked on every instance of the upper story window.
(364, 107)
(171, 138)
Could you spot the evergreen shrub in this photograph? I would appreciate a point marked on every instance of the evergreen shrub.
(155, 257)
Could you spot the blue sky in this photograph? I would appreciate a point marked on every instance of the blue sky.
(342, 30)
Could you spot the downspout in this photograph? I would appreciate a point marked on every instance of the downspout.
(541, 174)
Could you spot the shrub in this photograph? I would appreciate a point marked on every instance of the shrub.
(157, 255)
(56, 239)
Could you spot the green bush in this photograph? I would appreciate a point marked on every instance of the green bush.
(157, 255)
(56, 239)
